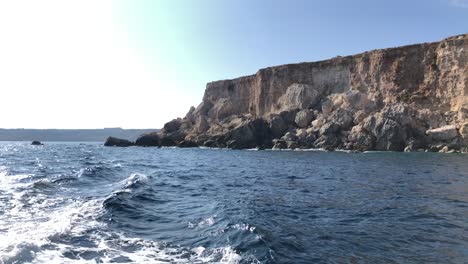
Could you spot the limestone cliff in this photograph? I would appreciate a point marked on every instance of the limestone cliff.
(411, 97)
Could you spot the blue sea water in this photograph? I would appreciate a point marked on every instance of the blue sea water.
(85, 203)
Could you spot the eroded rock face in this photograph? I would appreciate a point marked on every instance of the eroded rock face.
(389, 135)
(327, 142)
(406, 97)
(279, 144)
(304, 117)
(251, 134)
(329, 128)
(278, 126)
(201, 125)
(464, 132)
(360, 139)
(187, 144)
(172, 126)
(222, 108)
(342, 118)
(444, 133)
(300, 96)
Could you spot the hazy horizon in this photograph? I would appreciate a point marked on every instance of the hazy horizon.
(97, 128)
(138, 64)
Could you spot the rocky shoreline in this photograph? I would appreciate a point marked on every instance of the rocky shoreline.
(411, 98)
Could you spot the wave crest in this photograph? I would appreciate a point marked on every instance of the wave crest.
(135, 181)
(121, 199)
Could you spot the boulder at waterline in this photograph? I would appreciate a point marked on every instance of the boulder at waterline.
(117, 142)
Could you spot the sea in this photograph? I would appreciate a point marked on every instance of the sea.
(86, 203)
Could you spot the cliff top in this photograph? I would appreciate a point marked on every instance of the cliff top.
(339, 59)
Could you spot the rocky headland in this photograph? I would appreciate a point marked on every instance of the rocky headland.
(410, 98)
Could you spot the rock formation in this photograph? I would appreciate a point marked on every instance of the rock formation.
(117, 142)
(406, 98)
(148, 140)
(36, 143)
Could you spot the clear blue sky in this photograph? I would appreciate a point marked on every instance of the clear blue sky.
(224, 39)
(140, 63)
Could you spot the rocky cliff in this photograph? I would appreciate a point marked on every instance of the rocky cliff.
(406, 98)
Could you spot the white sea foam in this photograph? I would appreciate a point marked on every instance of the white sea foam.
(298, 149)
(148, 252)
(79, 218)
(11, 182)
(204, 147)
(33, 231)
(209, 221)
(33, 227)
(244, 227)
(133, 179)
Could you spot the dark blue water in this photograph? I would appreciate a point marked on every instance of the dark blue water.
(71, 202)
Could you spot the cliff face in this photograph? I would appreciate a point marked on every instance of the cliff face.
(383, 99)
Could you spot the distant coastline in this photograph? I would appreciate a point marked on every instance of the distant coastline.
(98, 135)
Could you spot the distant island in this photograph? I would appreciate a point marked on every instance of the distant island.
(70, 134)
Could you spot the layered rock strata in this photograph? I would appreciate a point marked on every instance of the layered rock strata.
(407, 98)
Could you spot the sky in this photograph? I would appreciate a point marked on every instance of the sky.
(141, 63)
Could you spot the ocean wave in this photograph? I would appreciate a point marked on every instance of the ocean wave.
(95, 171)
(145, 251)
(44, 236)
(11, 181)
(135, 181)
(13, 189)
(46, 183)
(32, 229)
(121, 198)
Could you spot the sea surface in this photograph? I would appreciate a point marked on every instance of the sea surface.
(85, 203)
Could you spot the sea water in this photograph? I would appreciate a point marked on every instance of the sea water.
(85, 203)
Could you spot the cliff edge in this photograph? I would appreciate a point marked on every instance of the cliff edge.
(406, 98)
